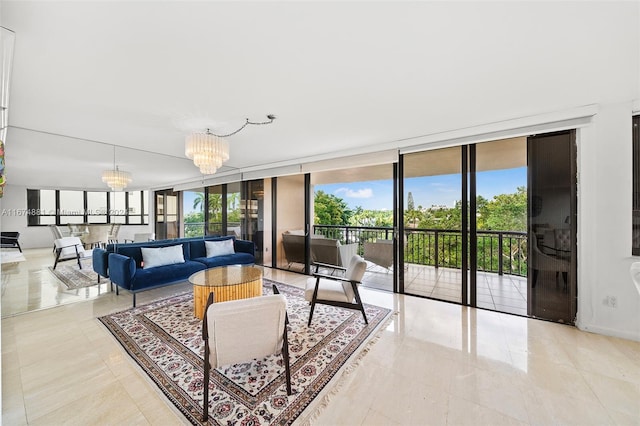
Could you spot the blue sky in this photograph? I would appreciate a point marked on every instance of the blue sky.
(426, 191)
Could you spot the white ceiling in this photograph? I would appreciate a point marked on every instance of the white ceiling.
(342, 77)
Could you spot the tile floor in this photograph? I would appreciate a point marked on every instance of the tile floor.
(504, 293)
(435, 364)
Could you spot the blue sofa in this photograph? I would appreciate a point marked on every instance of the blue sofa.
(123, 262)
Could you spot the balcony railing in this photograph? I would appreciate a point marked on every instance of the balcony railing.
(196, 229)
(501, 252)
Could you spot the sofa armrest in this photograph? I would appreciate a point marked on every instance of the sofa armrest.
(245, 246)
(100, 258)
(121, 270)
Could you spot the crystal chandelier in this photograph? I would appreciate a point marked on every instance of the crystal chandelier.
(208, 151)
(116, 179)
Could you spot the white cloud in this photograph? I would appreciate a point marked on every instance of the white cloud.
(360, 193)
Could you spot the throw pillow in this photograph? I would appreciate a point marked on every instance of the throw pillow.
(219, 248)
(153, 257)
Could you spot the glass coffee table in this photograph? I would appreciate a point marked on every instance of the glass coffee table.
(226, 283)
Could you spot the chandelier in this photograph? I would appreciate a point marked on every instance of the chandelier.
(208, 150)
(116, 179)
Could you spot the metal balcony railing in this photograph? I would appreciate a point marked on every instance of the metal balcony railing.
(501, 252)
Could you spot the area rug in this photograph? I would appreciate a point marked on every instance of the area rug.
(74, 277)
(165, 339)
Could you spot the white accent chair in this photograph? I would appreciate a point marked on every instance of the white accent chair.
(70, 248)
(337, 290)
(241, 330)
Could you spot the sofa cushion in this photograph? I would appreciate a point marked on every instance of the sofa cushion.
(219, 248)
(133, 250)
(153, 257)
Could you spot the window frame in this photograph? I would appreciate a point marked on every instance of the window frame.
(34, 212)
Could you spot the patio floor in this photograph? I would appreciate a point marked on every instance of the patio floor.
(504, 293)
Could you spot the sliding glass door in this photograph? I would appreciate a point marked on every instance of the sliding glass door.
(432, 211)
(501, 225)
(493, 225)
(552, 227)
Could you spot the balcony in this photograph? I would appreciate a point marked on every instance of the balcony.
(433, 262)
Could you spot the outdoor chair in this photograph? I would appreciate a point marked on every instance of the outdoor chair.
(379, 252)
(71, 248)
(332, 252)
(293, 244)
(241, 330)
(10, 240)
(339, 291)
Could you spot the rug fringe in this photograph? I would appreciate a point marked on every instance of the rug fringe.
(332, 389)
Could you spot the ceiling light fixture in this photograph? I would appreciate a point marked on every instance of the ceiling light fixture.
(208, 150)
(116, 179)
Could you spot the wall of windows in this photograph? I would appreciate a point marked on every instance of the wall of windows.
(60, 207)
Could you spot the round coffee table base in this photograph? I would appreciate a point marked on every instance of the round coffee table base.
(224, 293)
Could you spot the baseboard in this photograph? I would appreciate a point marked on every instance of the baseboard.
(629, 335)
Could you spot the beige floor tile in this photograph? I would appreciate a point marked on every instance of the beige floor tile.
(615, 394)
(434, 362)
(464, 412)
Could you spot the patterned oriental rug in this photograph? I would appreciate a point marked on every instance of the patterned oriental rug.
(165, 339)
(74, 277)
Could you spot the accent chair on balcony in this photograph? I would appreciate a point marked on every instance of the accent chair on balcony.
(379, 252)
(293, 244)
(332, 252)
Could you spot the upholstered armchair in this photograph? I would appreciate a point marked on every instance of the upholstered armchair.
(341, 291)
(241, 330)
(70, 248)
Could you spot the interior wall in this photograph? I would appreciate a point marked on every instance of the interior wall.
(604, 225)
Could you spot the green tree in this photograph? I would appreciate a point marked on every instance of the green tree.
(330, 210)
(507, 212)
(379, 218)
